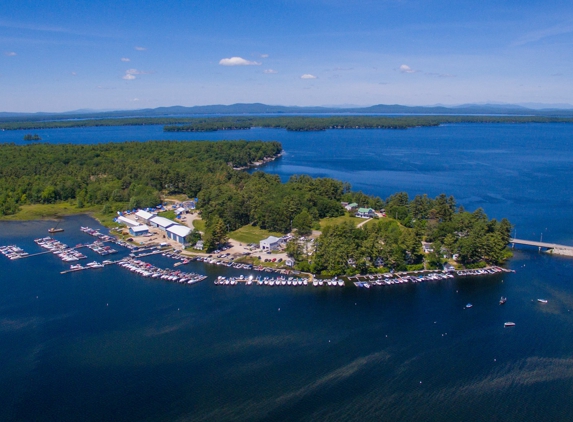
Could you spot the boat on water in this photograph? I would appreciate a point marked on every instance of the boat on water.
(502, 300)
(469, 305)
(55, 229)
(509, 324)
(542, 300)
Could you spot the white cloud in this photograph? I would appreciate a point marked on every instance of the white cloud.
(140, 48)
(270, 71)
(130, 74)
(264, 56)
(406, 69)
(308, 76)
(125, 59)
(237, 61)
(10, 54)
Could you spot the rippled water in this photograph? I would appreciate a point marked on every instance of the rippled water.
(109, 345)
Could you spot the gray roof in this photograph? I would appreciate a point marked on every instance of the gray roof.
(162, 221)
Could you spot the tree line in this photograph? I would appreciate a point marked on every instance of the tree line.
(292, 123)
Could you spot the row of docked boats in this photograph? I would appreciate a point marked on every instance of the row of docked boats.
(481, 271)
(388, 280)
(90, 266)
(101, 249)
(261, 281)
(13, 252)
(60, 249)
(147, 270)
(105, 237)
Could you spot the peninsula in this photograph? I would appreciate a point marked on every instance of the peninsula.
(334, 230)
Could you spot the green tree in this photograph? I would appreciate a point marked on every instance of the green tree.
(303, 223)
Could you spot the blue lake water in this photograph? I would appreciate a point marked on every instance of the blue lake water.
(109, 345)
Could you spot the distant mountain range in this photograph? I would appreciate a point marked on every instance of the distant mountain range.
(565, 110)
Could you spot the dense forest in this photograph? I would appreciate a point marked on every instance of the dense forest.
(389, 244)
(293, 123)
(130, 173)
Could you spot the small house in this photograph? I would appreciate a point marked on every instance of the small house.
(289, 262)
(178, 233)
(427, 247)
(198, 245)
(448, 267)
(351, 206)
(271, 243)
(365, 213)
(139, 230)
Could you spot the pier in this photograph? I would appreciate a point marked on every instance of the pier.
(551, 247)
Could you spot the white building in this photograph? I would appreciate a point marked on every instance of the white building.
(161, 222)
(178, 233)
(139, 230)
(270, 243)
(365, 213)
(144, 215)
(199, 245)
(127, 221)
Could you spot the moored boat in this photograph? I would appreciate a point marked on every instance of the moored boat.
(502, 300)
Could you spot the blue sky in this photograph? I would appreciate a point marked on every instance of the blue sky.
(63, 55)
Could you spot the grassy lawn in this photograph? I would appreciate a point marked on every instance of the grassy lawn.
(199, 225)
(330, 221)
(49, 211)
(168, 214)
(251, 234)
(176, 198)
(62, 209)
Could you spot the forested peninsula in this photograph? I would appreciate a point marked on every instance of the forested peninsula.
(116, 176)
(291, 123)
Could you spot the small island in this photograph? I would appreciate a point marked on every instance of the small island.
(30, 137)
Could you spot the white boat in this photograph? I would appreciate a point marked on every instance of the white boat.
(509, 324)
(542, 300)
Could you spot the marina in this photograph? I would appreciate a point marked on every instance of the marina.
(284, 277)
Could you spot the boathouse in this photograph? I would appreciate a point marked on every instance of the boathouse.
(178, 233)
(271, 243)
(161, 222)
(365, 213)
(139, 230)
